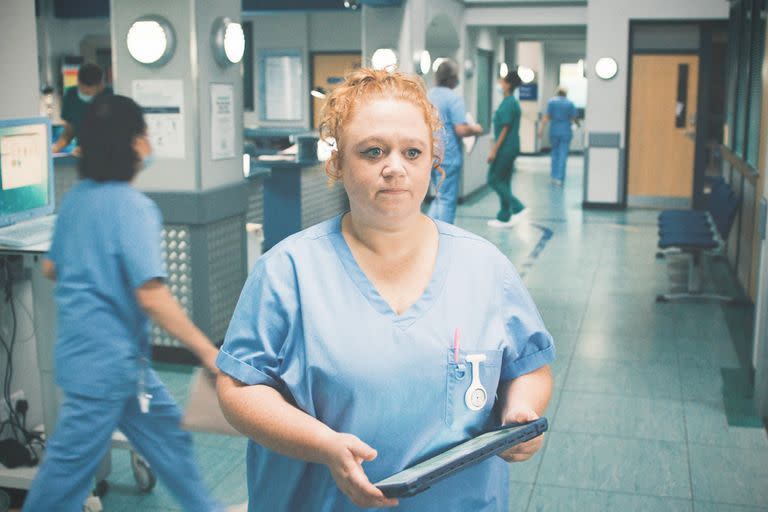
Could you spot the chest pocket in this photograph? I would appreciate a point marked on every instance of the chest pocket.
(471, 410)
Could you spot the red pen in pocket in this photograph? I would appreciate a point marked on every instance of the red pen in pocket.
(456, 338)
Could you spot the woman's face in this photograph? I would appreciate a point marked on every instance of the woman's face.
(386, 159)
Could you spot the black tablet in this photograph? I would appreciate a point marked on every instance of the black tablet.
(422, 476)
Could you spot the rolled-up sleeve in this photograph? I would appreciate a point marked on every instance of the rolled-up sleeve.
(263, 321)
(529, 344)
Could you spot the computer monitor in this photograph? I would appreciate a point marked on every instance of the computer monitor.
(26, 169)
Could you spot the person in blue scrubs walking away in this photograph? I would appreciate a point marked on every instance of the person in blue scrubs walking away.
(453, 116)
(561, 112)
(351, 349)
(106, 260)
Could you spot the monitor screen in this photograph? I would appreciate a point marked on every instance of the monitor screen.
(26, 169)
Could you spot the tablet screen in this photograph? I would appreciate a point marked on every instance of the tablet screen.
(452, 455)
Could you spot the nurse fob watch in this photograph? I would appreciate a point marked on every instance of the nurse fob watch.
(476, 396)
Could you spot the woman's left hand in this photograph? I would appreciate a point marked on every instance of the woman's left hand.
(491, 155)
(523, 451)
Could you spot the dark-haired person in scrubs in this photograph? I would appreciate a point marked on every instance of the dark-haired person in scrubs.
(106, 259)
(90, 84)
(505, 149)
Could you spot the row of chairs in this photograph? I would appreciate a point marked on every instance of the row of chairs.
(696, 234)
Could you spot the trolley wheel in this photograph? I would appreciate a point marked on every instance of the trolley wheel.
(102, 486)
(142, 473)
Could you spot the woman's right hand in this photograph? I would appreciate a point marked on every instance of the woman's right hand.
(492, 155)
(345, 457)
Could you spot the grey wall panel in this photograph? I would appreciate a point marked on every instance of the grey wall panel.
(319, 201)
(604, 139)
(665, 37)
(226, 271)
(255, 212)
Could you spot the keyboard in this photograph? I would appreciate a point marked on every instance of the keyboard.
(28, 232)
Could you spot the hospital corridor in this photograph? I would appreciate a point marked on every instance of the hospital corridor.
(408, 255)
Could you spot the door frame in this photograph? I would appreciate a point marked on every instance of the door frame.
(311, 77)
(704, 91)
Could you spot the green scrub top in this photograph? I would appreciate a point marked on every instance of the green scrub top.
(508, 114)
(73, 108)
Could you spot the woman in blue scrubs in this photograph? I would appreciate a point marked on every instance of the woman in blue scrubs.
(106, 260)
(349, 353)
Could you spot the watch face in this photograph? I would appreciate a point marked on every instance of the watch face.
(477, 398)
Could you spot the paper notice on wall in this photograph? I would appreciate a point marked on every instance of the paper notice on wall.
(162, 102)
(222, 121)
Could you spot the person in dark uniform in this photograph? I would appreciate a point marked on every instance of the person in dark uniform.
(90, 83)
(506, 147)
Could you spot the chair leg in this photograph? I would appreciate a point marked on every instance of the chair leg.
(693, 291)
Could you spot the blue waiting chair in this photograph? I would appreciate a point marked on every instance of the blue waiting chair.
(697, 233)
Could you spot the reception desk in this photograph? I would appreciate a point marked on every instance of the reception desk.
(296, 196)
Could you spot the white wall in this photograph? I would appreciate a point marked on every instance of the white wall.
(19, 98)
(335, 31)
(530, 54)
(18, 58)
(60, 36)
(305, 32)
(608, 35)
(529, 16)
(475, 164)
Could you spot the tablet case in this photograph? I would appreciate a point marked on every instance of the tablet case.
(421, 482)
(203, 413)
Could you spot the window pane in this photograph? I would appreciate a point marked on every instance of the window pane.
(485, 80)
(742, 98)
(755, 86)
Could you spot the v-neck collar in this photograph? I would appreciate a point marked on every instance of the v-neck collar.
(372, 295)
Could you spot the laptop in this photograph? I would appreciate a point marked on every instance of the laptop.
(26, 182)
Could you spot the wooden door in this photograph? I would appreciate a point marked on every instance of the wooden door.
(328, 70)
(663, 126)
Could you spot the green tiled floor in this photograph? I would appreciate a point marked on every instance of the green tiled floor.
(651, 407)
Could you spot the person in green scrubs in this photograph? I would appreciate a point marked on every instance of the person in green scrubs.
(506, 131)
(90, 84)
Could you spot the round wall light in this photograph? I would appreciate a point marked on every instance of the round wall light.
(227, 41)
(469, 68)
(423, 61)
(384, 58)
(606, 68)
(151, 40)
(526, 74)
(503, 70)
(437, 63)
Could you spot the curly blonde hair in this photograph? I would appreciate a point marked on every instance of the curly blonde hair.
(362, 85)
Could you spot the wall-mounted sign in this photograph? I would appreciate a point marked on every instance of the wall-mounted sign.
(529, 92)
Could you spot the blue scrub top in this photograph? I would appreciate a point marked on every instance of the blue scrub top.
(450, 106)
(310, 324)
(560, 111)
(106, 244)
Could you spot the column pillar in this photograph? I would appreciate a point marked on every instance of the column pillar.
(198, 184)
